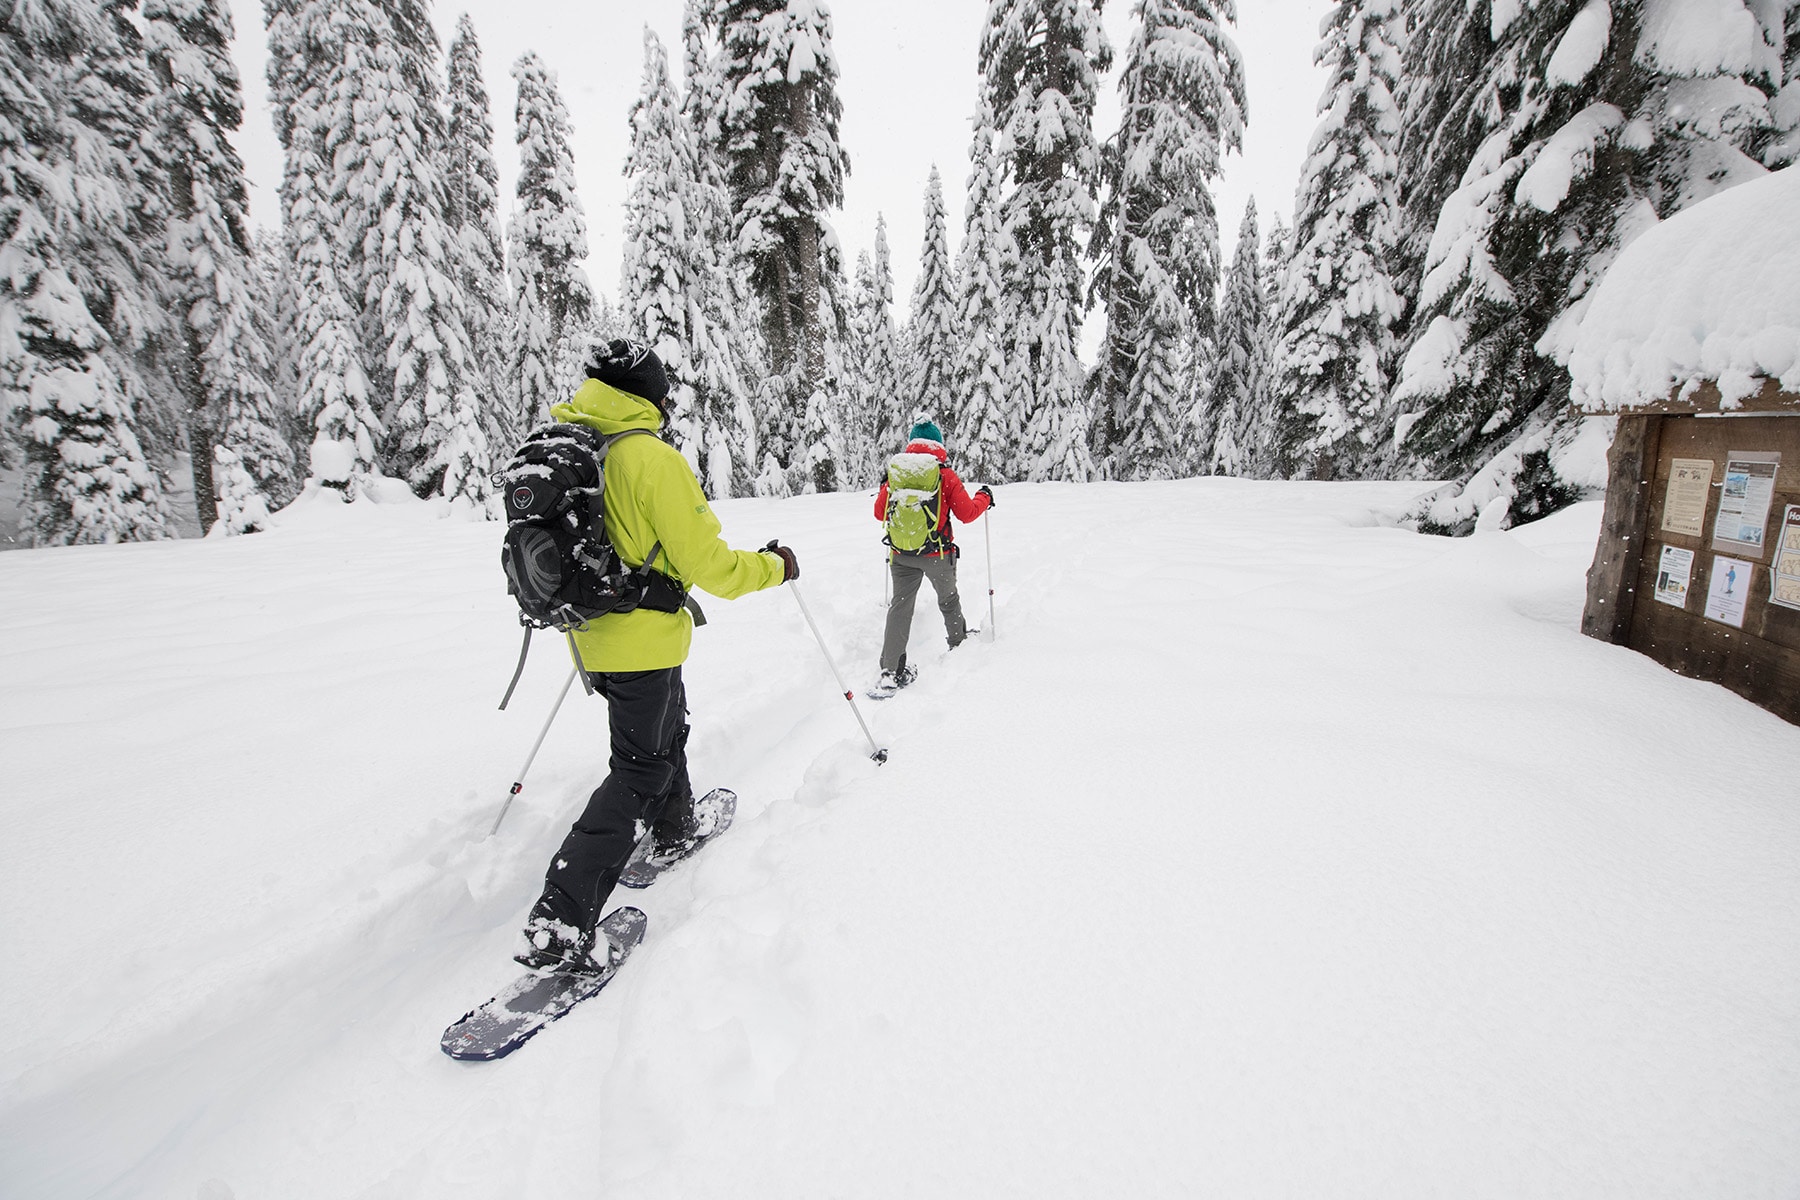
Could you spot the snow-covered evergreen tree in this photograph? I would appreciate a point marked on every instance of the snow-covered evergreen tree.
(1783, 146)
(859, 418)
(785, 169)
(1577, 124)
(547, 238)
(1040, 65)
(86, 479)
(384, 139)
(663, 273)
(721, 352)
(876, 413)
(1339, 303)
(1229, 423)
(275, 279)
(333, 398)
(891, 406)
(935, 338)
(213, 283)
(653, 284)
(472, 210)
(990, 418)
(1256, 432)
(1157, 243)
(114, 247)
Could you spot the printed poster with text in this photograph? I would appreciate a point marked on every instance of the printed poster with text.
(1728, 590)
(1674, 575)
(1743, 519)
(1784, 581)
(1690, 487)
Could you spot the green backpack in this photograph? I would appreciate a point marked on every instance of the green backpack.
(912, 515)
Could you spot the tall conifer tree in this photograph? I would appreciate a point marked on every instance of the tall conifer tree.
(235, 433)
(1338, 301)
(990, 414)
(1157, 244)
(1040, 66)
(1231, 429)
(86, 479)
(723, 354)
(785, 168)
(333, 399)
(114, 247)
(547, 235)
(385, 141)
(472, 210)
(874, 406)
(672, 289)
(930, 375)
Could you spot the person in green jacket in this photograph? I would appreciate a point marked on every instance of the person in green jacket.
(634, 658)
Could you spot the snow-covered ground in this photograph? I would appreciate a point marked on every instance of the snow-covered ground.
(1268, 852)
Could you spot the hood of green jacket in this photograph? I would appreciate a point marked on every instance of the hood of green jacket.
(607, 409)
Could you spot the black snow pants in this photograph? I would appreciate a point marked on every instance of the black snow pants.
(647, 788)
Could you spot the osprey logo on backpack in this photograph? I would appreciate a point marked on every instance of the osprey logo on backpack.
(560, 565)
(914, 508)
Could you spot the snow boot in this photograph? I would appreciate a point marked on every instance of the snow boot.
(556, 947)
(664, 854)
(892, 681)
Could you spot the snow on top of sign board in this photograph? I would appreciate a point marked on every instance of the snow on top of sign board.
(1713, 293)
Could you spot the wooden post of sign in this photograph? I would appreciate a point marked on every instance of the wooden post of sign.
(1624, 529)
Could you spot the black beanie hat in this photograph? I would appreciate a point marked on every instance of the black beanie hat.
(629, 366)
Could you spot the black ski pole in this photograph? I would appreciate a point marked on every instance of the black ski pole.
(519, 783)
(879, 754)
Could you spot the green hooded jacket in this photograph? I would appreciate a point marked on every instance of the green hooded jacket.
(652, 497)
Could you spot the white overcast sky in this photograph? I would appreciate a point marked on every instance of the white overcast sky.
(907, 82)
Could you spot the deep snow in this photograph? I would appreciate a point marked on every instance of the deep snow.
(1712, 293)
(1269, 851)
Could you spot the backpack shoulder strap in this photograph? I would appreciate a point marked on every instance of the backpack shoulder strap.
(613, 439)
(643, 570)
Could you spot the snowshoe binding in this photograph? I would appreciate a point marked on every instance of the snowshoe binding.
(892, 681)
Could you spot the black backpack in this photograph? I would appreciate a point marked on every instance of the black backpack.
(560, 565)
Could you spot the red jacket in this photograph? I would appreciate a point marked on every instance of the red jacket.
(952, 498)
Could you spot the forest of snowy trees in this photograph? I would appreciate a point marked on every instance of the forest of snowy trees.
(1476, 167)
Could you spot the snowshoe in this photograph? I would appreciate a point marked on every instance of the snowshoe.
(536, 998)
(891, 682)
(713, 813)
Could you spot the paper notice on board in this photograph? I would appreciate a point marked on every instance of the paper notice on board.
(1674, 574)
(1728, 591)
(1784, 582)
(1743, 518)
(1690, 487)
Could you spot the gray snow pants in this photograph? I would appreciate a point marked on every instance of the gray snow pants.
(907, 571)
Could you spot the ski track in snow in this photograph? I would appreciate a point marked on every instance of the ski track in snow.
(1268, 851)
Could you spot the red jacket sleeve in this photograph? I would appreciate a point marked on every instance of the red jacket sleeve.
(881, 502)
(966, 507)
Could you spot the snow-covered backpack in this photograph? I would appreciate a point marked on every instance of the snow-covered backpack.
(560, 565)
(913, 506)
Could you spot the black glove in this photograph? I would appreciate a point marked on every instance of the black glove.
(983, 491)
(790, 566)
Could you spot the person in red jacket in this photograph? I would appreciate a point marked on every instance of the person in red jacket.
(936, 560)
